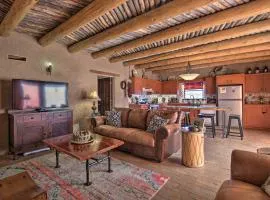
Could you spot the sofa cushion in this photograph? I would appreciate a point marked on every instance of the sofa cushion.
(131, 135)
(234, 190)
(155, 123)
(124, 115)
(135, 136)
(104, 129)
(113, 118)
(137, 119)
(172, 116)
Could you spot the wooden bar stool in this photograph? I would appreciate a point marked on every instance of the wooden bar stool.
(212, 125)
(240, 127)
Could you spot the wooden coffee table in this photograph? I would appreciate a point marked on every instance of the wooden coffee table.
(84, 152)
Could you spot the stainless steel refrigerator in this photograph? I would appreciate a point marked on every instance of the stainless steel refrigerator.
(230, 97)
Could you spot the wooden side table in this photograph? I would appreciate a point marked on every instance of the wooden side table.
(193, 149)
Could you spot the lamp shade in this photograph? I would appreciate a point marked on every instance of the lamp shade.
(188, 76)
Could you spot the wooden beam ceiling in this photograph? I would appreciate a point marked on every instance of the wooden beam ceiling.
(211, 54)
(94, 10)
(216, 64)
(253, 8)
(259, 38)
(212, 60)
(162, 13)
(15, 15)
(239, 31)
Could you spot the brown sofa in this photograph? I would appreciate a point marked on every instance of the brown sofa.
(158, 146)
(249, 171)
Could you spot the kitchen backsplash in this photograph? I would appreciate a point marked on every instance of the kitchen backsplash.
(153, 97)
(257, 98)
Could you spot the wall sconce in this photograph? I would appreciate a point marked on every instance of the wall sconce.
(49, 69)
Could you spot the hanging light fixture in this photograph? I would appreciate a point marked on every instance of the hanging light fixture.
(189, 76)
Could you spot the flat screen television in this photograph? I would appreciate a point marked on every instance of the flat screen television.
(31, 94)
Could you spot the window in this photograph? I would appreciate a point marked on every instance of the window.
(196, 93)
(193, 90)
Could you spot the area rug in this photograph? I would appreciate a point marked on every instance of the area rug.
(127, 181)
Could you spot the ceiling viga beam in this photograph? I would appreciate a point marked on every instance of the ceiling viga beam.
(154, 16)
(238, 31)
(212, 54)
(212, 60)
(253, 8)
(15, 15)
(259, 38)
(217, 64)
(94, 10)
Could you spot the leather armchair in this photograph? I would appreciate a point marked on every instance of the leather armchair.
(248, 173)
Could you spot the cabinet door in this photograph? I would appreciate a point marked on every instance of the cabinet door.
(32, 133)
(254, 83)
(169, 87)
(231, 79)
(210, 85)
(137, 85)
(254, 116)
(266, 82)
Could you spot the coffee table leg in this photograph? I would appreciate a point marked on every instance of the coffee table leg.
(57, 159)
(87, 174)
(109, 163)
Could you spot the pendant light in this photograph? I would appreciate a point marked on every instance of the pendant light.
(189, 76)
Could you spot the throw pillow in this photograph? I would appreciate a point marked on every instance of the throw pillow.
(155, 123)
(113, 118)
(266, 186)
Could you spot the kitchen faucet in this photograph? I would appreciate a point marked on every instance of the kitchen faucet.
(193, 100)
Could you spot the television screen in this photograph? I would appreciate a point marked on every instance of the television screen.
(29, 94)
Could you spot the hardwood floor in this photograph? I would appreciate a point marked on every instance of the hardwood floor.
(193, 183)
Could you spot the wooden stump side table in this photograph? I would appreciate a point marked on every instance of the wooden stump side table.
(193, 149)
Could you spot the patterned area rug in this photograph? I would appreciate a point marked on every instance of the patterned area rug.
(126, 182)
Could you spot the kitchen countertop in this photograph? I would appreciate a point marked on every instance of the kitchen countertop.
(202, 107)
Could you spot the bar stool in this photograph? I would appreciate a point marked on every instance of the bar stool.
(240, 127)
(187, 121)
(212, 125)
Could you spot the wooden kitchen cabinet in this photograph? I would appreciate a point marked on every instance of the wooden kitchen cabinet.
(254, 83)
(137, 85)
(266, 82)
(257, 116)
(210, 85)
(257, 83)
(232, 79)
(170, 87)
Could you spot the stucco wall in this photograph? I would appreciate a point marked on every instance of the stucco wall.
(71, 68)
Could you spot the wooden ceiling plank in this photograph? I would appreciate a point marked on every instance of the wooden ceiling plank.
(154, 16)
(253, 8)
(211, 54)
(213, 60)
(239, 31)
(91, 12)
(15, 15)
(259, 38)
(216, 64)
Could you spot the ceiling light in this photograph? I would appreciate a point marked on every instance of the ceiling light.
(188, 76)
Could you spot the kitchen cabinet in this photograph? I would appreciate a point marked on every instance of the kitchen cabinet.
(257, 83)
(254, 83)
(232, 79)
(266, 82)
(210, 85)
(139, 83)
(257, 116)
(170, 87)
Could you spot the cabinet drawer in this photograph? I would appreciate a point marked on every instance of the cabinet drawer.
(60, 116)
(32, 118)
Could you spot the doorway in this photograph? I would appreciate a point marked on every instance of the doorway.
(105, 93)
